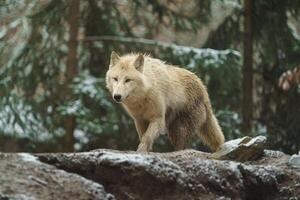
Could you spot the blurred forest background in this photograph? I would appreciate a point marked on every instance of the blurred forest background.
(54, 56)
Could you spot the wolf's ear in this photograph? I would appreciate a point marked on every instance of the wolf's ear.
(139, 63)
(114, 58)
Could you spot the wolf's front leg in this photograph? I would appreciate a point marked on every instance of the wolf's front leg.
(154, 129)
(141, 127)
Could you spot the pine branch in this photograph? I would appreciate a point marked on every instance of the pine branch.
(156, 43)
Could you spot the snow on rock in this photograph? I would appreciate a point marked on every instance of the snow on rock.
(28, 158)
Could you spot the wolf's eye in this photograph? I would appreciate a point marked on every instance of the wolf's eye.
(127, 80)
(115, 79)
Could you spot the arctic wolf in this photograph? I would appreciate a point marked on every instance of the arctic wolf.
(162, 98)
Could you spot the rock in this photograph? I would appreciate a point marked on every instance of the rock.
(128, 175)
(187, 174)
(242, 149)
(109, 174)
(23, 177)
(295, 161)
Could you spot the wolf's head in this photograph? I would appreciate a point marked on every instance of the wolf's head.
(125, 78)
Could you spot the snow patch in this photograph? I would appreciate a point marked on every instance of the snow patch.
(133, 158)
(28, 157)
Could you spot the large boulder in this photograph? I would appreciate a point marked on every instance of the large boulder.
(23, 177)
(183, 175)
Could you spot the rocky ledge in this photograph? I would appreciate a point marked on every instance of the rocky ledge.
(109, 174)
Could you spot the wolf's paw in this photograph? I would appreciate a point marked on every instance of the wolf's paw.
(143, 148)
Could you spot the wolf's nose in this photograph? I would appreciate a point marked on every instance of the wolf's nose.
(117, 97)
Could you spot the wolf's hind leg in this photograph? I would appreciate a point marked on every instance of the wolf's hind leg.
(178, 135)
(186, 124)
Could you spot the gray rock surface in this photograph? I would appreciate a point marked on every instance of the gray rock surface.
(295, 161)
(242, 149)
(183, 175)
(23, 177)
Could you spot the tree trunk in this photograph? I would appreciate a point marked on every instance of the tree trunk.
(248, 67)
(73, 20)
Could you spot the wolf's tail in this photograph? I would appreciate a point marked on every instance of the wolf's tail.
(211, 133)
